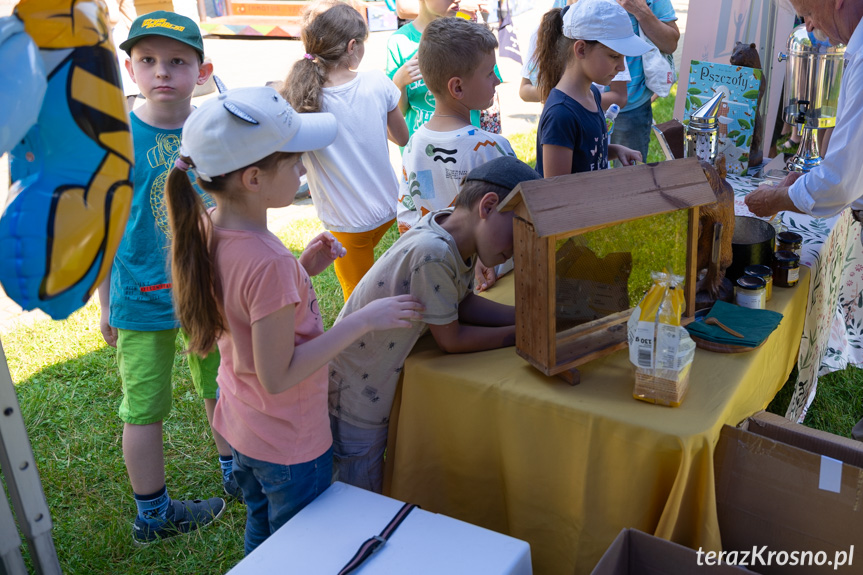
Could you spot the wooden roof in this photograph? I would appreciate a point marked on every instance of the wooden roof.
(589, 200)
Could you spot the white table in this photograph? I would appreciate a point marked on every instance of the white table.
(833, 331)
(325, 535)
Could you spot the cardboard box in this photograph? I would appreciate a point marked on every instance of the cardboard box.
(636, 553)
(325, 535)
(796, 492)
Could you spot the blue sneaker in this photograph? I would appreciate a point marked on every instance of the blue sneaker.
(182, 517)
(232, 489)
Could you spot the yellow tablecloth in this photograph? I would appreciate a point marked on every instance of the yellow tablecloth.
(486, 438)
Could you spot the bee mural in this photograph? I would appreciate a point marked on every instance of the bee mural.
(72, 185)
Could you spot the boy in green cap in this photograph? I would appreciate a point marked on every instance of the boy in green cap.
(166, 61)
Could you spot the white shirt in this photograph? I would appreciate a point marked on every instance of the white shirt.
(838, 181)
(434, 163)
(352, 182)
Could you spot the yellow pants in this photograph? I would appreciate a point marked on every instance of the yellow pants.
(360, 256)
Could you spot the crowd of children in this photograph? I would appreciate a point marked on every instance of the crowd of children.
(292, 406)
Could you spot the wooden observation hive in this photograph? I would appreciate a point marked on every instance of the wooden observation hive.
(550, 211)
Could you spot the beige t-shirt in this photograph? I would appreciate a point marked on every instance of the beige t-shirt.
(424, 262)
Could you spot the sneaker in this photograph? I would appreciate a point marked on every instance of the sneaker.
(182, 517)
(232, 489)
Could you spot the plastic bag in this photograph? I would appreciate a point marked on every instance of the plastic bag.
(659, 72)
(659, 348)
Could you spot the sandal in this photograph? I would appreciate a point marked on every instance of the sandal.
(789, 144)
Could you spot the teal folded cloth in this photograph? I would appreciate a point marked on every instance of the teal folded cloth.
(753, 324)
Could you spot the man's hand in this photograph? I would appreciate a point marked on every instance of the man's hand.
(768, 200)
(664, 35)
(637, 8)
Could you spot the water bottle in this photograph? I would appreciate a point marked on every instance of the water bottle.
(610, 115)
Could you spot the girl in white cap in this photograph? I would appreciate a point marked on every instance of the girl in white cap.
(577, 46)
(238, 286)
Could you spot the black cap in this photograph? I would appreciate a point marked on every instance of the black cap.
(505, 171)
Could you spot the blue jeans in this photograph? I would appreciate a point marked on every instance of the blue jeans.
(274, 493)
(632, 129)
(359, 454)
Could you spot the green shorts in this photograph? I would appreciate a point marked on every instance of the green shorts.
(146, 359)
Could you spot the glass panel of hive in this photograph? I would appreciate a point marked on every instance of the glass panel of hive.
(607, 271)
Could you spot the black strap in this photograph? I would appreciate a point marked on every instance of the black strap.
(371, 545)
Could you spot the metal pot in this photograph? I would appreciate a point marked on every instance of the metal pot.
(812, 78)
(753, 243)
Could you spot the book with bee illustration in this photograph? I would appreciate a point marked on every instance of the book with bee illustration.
(737, 113)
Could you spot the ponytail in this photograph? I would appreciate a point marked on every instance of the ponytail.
(194, 285)
(304, 86)
(553, 51)
(325, 37)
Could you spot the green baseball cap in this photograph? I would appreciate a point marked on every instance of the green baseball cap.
(167, 24)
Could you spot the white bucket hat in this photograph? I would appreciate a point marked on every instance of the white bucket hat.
(241, 126)
(606, 22)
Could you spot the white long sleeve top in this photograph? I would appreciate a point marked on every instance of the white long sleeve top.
(838, 181)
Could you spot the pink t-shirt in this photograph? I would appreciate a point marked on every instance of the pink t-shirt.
(259, 276)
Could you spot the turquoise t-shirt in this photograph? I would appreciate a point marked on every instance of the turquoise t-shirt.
(637, 92)
(401, 47)
(141, 275)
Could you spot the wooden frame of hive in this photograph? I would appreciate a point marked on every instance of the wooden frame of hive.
(557, 208)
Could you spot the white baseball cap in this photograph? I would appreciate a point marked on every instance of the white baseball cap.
(606, 22)
(241, 126)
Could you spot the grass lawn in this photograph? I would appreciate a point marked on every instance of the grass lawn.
(69, 390)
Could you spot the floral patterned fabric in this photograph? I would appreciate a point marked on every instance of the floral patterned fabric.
(833, 329)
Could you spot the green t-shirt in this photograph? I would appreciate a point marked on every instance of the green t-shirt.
(401, 47)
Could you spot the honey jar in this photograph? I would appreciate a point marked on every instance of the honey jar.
(790, 242)
(751, 292)
(786, 269)
(763, 272)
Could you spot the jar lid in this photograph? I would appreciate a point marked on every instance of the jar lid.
(789, 238)
(786, 257)
(757, 270)
(751, 282)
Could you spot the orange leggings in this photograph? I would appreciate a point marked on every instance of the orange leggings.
(360, 257)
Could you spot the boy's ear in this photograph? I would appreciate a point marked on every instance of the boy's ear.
(205, 70)
(130, 70)
(487, 204)
(455, 87)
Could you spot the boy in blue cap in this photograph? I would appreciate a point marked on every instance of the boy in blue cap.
(433, 261)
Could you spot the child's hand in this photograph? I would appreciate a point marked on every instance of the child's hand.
(391, 312)
(628, 156)
(484, 277)
(109, 333)
(323, 250)
(408, 73)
